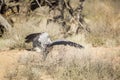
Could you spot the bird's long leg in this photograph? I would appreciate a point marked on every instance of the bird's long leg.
(45, 52)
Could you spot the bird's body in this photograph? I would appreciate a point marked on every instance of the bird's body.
(42, 42)
(39, 40)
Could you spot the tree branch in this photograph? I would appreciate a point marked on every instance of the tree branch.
(5, 23)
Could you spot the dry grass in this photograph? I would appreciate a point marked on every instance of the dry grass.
(24, 26)
(64, 62)
(103, 18)
(68, 63)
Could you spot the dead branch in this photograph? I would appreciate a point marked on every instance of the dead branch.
(5, 23)
(1, 4)
(38, 3)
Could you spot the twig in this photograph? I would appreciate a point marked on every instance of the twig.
(5, 23)
(38, 3)
(2, 1)
(48, 2)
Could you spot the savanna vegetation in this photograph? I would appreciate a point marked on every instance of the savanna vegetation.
(94, 24)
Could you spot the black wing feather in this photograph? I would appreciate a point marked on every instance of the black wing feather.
(30, 37)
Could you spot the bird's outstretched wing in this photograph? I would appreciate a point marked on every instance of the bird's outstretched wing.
(30, 37)
(63, 42)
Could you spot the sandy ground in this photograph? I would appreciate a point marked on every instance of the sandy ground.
(9, 58)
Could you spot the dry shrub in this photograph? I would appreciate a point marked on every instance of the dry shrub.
(36, 22)
(102, 18)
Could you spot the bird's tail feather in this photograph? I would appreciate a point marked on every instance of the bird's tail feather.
(65, 43)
